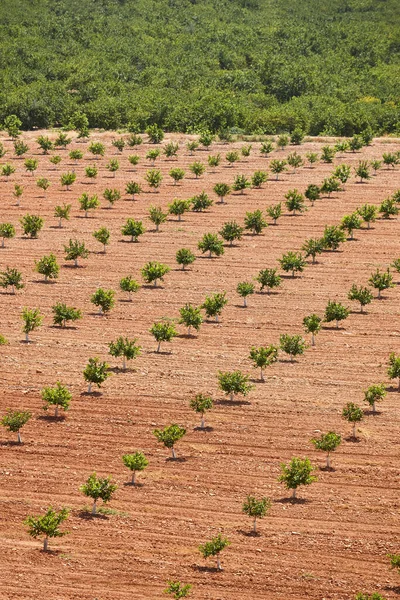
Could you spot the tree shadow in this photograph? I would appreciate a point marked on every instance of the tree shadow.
(52, 418)
(187, 336)
(227, 402)
(147, 286)
(393, 388)
(87, 515)
(248, 533)
(392, 588)
(161, 352)
(353, 440)
(369, 412)
(292, 500)
(327, 469)
(11, 443)
(206, 569)
(257, 380)
(178, 459)
(72, 327)
(133, 485)
(67, 266)
(94, 394)
(42, 281)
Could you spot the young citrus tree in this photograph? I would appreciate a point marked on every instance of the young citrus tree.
(178, 207)
(185, 257)
(129, 285)
(11, 278)
(171, 150)
(62, 212)
(155, 133)
(68, 179)
(263, 357)
(45, 143)
(154, 178)
(255, 222)
(135, 462)
(48, 266)
(7, 169)
(157, 216)
(292, 261)
(178, 589)
(258, 178)
(163, 331)
(388, 208)
(104, 299)
(154, 271)
(361, 294)
(328, 154)
(63, 314)
(98, 488)
(177, 174)
(362, 170)
(214, 161)
(328, 442)
(298, 472)
(133, 228)
(97, 149)
(7, 231)
(43, 184)
(240, 183)
(214, 304)
(76, 156)
(233, 383)
(330, 185)
(312, 193)
(133, 189)
(47, 525)
(268, 278)
(282, 141)
(244, 289)
(31, 225)
(153, 154)
(134, 140)
(102, 235)
(55, 160)
(312, 247)
(375, 393)
(32, 320)
(197, 168)
(351, 222)
(17, 193)
(335, 311)
(212, 244)
(201, 202)
(333, 237)
(232, 157)
(295, 201)
(112, 166)
(353, 414)
(119, 144)
(126, 348)
(277, 167)
(169, 436)
(294, 160)
(200, 404)
(192, 145)
(75, 250)
(222, 190)
(14, 420)
(297, 136)
(368, 213)
(381, 281)
(394, 367)
(312, 324)
(294, 345)
(134, 160)
(58, 396)
(275, 211)
(231, 231)
(266, 148)
(190, 317)
(95, 372)
(342, 172)
(256, 509)
(87, 203)
(214, 547)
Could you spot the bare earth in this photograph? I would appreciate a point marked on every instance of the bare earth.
(332, 542)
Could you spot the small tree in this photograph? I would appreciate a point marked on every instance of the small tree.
(134, 160)
(222, 190)
(190, 317)
(390, 159)
(388, 208)
(368, 213)
(102, 235)
(292, 261)
(14, 420)
(97, 149)
(43, 184)
(32, 320)
(298, 472)
(206, 139)
(95, 372)
(330, 185)
(200, 404)
(342, 172)
(214, 304)
(295, 161)
(255, 222)
(335, 311)
(178, 207)
(361, 294)
(312, 324)
(133, 228)
(135, 462)
(45, 143)
(192, 146)
(353, 414)
(295, 201)
(130, 285)
(155, 133)
(98, 487)
(268, 278)
(153, 154)
(263, 357)
(111, 195)
(47, 525)
(282, 141)
(104, 299)
(328, 442)
(328, 154)
(11, 125)
(119, 144)
(178, 589)
(381, 281)
(258, 178)
(212, 244)
(157, 216)
(17, 193)
(55, 160)
(214, 160)
(7, 170)
(163, 331)
(356, 143)
(169, 436)
(240, 183)
(256, 509)
(214, 547)
(294, 345)
(266, 148)
(244, 289)
(333, 237)
(171, 150)
(74, 250)
(88, 203)
(63, 313)
(375, 393)
(62, 212)
(112, 166)
(185, 257)
(312, 193)
(67, 179)
(62, 140)
(7, 231)
(134, 140)
(133, 189)
(275, 211)
(126, 348)
(177, 175)
(233, 383)
(48, 266)
(376, 165)
(312, 158)
(232, 157)
(312, 248)
(11, 278)
(394, 563)
(31, 225)
(58, 396)
(297, 136)
(351, 222)
(154, 271)
(201, 202)
(197, 168)
(394, 367)
(31, 164)
(231, 231)
(154, 178)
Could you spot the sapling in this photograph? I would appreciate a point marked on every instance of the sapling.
(394, 367)
(31, 164)
(104, 299)
(312, 247)
(178, 589)
(214, 547)
(201, 202)
(48, 266)
(231, 231)
(312, 158)
(244, 289)
(43, 184)
(328, 442)
(76, 155)
(256, 509)
(177, 174)
(14, 420)
(394, 562)
(192, 146)
(333, 237)
(20, 147)
(255, 222)
(388, 208)
(282, 141)
(197, 168)
(3, 340)
(67, 179)
(374, 596)
(135, 462)
(356, 143)
(91, 172)
(17, 193)
(185, 257)
(351, 222)
(171, 149)
(390, 159)
(119, 144)
(361, 294)
(133, 189)
(163, 331)
(375, 393)
(312, 324)
(55, 160)
(63, 314)
(293, 261)
(381, 281)
(240, 183)
(134, 140)
(134, 160)
(153, 154)
(268, 278)
(58, 396)
(95, 372)
(133, 228)
(169, 436)
(11, 125)
(295, 201)
(214, 160)
(11, 278)
(32, 320)
(154, 178)
(98, 487)
(97, 149)
(222, 190)
(47, 525)
(212, 244)
(190, 317)
(376, 165)
(45, 143)
(74, 250)
(263, 357)
(112, 166)
(330, 185)
(368, 213)
(362, 170)
(178, 207)
(154, 271)
(7, 231)
(275, 211)
(266, 148)
(155, 133)
(200, 404)
(214, 304)
(335, 311)
(258, 178)
(342, 172)
(31, 225)
(126, 348)
(111, 195)
(130, 285)
(297, 136)
(294, 160)
(7, 170)
(294, 345)
(157, 216)
(233, 383)
(298, 472)
(312, 193)
(328, 154)
(232, 157)
(206, 139)
(102, 235)
(353, 414)
(62, 212)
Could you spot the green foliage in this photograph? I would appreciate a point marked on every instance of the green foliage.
(297, 136)
(295, 201)
(190, 317)
(45, 143)
(374, 596)
(257, 509)
(297, 473)
(335, 311)
(388, 208)
(170, 435)
(32, 320)
(282, 141)
(119, 143)
(394, 367)
(214, 304)
(214, 160)
(255, 222)
(232, 157)
(124, 347)
(97, 149)
(390, 159)
(381, 280)
(154, 178)
(171, 149)
(96, 371)
(231, 231)
(163, 331)
(3, 340)
(62, 140)
(312, 158)
(7, 231)
(133, 228)
(275, 211)
(133, 189)
(244, 289)
(177, 174)
(201, 202)
(368, 213)
(277, 166)
(47, 525)
(327, 154)
(18, 191)
(130, 285)
(375, 393)
(200, 404)
(112, 166)
(185, 257)
(11, 278)
(362, 170)
(87, 203)
(14, 420)
(396, 264)
(31, 224)
(43, 183)
(234, 383)
(263, 357)
(153, 271)
(394, 561)
(134, 140)
(11, 125)
(74, 250)
(206, 138)
(214, 547)
(197, 168)
(102, 235)
(111, 195)
(327, 442)
(312, 324)
(312, 193)
(153, 154)
(20, 148)
(266, 148)
(68, 179)
(157, 216)
(178, 207)
(356, 143)
(342, 146)
(294, 160)
(155, 134)
(104, 299)
(192, 146)
(376, 165)
(268, 278)
(211, 243)
(292, 261)
(342, 172)
(329, 185)
(98, 487)
(58, 396)
(353, 414)
(294, 345)
(222, 190)
(178, 589)
(258, 178)
(91, 172)
(63, 313)
(8, 169)
(48, 266)
(246, 150)
(312, 248)
(333, 237)
(351, 222)
(135, 462)
(361, 294)
(134, 160)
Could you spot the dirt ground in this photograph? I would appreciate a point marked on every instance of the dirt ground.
(332, 542)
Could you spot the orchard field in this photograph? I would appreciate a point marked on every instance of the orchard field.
(333, 541)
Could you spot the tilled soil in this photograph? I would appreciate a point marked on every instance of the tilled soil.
(333, 541)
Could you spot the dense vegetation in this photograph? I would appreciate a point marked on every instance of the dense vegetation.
(241, 65)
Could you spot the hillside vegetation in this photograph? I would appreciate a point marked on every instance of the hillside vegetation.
(260, 66)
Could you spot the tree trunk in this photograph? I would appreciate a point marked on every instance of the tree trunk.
(313, 259)
(294, 493)
(291, 358)
(60, 222)
(183, 266)
(56, 411)
(379, 293)
(45, 277)
(27, 337)
(210, 254)
(13, 290)
(86, 213)
(94, 508)
(156, 227)
(90, 388)
(179, 217)
(373, 408)
(155, 283)
(173, 453)
(217, 321)
(354, 430)
(2, 243)
(124, 363)
(312, 339)
(189, 330)
(202, 421)
(292, 273)
(158, 347)
(133, 477)
(245, 302)
(45, 544)
(104, 249)
(328, 461)
(100, 310)
(399, 384)
(368, 225)
(75, 262)
(219, 564)
(337, 324)
(19, 437)
(255, 525)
